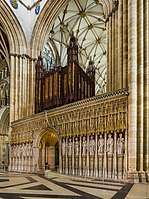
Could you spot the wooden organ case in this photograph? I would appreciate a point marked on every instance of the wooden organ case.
(63, 85)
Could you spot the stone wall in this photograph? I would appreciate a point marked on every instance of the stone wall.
(92, 137)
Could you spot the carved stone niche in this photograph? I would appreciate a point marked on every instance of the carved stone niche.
(92, 146)
(100, 152)
(100, 145)
(120, 144)
(110, 152)
(84, 146)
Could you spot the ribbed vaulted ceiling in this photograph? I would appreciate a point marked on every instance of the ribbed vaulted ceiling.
(86, 19)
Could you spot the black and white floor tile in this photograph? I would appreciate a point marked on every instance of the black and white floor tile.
(29, 186)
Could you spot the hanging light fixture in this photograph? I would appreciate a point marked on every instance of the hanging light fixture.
(35, 4)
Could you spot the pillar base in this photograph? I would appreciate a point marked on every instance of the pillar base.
(80, 172)
(96, 173)
(142, 176)
(66, 171)
(60, 170)
(133, 177)
(73, 171)
(147, 176)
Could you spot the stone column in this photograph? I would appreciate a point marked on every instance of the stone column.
(125, 154)
(66, 168)
(28, 158)
(113, 51)
(19, 163)
(12, 87)
(80, 157)
(21, 88)
(16, 163)
(105, 156)
(17, 88)
(16, 157)
(115, 157)
(96, 155)
(73, 158)
(140, 86)
(120, 45)
(125, 43)
(108, 61)
(60, 155)
(43, 157)
(146, 88)
(24, 108)
(31, 86)
(116, 50)
(46, 153)
(132, 83)
(35, 159)
(88, 163)
(13, 164)
(110, 54)
(27, 85)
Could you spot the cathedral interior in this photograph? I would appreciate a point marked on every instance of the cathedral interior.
(74, 88)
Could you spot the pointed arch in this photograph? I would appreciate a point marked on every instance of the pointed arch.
(42, 133)
(42, 26)
(13, 29)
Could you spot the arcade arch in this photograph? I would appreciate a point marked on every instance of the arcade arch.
(47, 143)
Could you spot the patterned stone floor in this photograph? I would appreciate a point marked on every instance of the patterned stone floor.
(29, 186)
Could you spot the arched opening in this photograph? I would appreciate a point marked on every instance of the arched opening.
(4, 98)
(48, 151)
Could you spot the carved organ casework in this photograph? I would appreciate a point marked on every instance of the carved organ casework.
(63, 85)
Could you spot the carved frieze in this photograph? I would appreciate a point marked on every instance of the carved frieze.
(103, 113)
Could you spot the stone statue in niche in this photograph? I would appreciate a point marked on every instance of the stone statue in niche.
(100, 145)
(84, 145)
(120, 145)
(76, 146)
(92, 146)
(63, 147)
(70, 147)
(110, 145)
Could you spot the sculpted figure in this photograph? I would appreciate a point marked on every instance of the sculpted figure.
(92, 146)
(100, 145)
(110, 144)
(76, 146)
(63, 147)
(120, 145)
(70, 147)
(84, 145)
